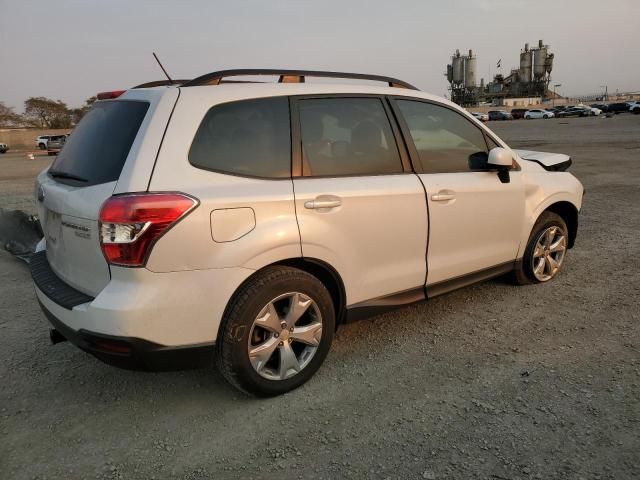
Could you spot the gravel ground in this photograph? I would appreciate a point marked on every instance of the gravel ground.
(490, 382)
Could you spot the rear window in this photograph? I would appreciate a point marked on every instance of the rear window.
(250, 138)
(96, 150)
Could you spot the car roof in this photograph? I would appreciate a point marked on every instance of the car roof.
(227, 92)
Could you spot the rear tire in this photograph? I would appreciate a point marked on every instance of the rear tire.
(266, 347)
(543, 259)
(42, 146)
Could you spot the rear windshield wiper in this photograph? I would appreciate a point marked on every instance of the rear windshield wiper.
(69, 176)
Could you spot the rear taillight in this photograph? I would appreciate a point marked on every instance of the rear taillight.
(131, 224)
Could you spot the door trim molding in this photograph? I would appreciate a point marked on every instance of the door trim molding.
(378, 305)
(446, 286)
(386, 303)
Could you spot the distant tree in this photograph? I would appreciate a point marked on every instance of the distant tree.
(78, 113)
(46, 113)
(9, 118)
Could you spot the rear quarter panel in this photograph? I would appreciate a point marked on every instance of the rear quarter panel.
(190, 244)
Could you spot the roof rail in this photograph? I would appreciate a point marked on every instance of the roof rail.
(291, 76)
(160, 83)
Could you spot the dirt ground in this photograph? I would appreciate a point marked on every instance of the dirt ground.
(490, 382)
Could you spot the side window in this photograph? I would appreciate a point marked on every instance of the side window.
(445, 140)
(347, 136)
(249, 137)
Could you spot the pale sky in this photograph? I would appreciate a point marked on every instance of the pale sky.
(71, 49)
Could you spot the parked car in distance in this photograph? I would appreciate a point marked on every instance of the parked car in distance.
(602, 106)
(619, 107)
(574, 112)
(190, 223)
(518, 112)
(595, 111)
(537, 113)
(55, 144)
(3, 148)
(483, 117)
(499, 115)
(634, 107)
(42, 141)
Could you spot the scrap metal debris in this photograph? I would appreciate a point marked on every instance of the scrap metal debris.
(19, 233)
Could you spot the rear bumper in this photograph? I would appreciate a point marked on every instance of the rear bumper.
(141, 319)
(133, 353)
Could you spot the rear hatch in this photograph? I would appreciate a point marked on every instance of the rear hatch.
(85, 173)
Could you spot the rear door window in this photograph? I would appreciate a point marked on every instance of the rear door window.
(250, 138)
(347, 136)
(96, 150)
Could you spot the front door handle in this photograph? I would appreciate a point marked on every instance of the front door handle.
(323, 201)
(443, 196)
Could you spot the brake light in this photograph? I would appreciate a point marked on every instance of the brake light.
(131, 224)
(109, 95)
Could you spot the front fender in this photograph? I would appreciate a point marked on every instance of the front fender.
(542, 190)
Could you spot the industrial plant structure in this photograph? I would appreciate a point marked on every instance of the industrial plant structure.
(531, 79)
(461, 74)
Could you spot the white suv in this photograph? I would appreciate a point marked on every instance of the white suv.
(42, 141)
(243, 222)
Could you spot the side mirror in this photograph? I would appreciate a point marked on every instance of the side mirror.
(501, 159)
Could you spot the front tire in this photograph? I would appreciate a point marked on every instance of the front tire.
(42, 146)
(276, 332)
(546, 250)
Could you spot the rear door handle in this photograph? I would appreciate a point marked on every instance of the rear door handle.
(323, 201)
(443, 196)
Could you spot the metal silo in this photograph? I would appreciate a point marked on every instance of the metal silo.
(526, 62)
(449, 73)
(458, 70)
(540, 61)
(471, 65)
(457, 67)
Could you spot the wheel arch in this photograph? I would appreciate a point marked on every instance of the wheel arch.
(324, 272)
(328, 275)
(569, 213)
